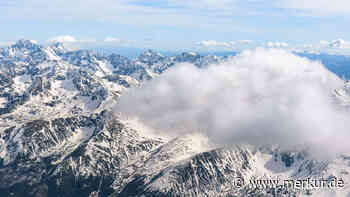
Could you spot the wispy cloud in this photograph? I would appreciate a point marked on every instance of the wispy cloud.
(214, 43)
(112, 39)
(64, 38)
(222, 19)
(245, 41)
(339, 44)
(70, 39)
(135, 12)
(276, 44)
(317, 6)
(206, 4)
(242, 43)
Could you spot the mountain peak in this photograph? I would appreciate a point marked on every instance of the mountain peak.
(58, 48)
(58, 45)
(22, 43)
(151, 53)
(151, 57)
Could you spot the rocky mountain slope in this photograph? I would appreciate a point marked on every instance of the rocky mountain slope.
(59, 137)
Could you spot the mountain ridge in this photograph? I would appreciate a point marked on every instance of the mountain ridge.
(59, 136)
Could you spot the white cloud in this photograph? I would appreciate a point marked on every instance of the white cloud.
(207, 4)
(324, 42)
(308, 46)
(112, 39)
(71, 39)
(338, 46)
(265, 96)
(136, 13)
(339, 43)
(335, 44)
(63, 38)
(276, 44)
(245, 41)
(128, 12)
(213, 43)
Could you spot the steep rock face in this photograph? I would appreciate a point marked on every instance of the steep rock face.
(150, 58)
(78, 154)
(230, 171)
(207, 173)
(25, 51)
(37, 80)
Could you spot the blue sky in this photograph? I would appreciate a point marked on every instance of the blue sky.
(180, 24)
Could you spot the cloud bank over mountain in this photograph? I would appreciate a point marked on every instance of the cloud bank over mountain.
(261, 97)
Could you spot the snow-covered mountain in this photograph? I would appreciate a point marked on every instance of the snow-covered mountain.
(58, 136)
